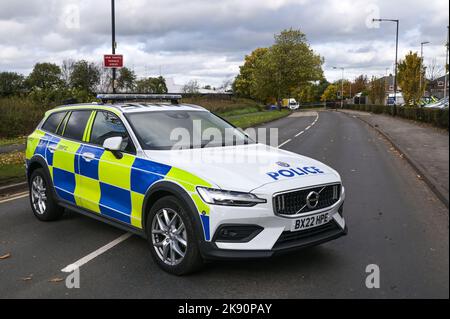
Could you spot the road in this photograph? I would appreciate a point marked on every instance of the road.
(394, 221)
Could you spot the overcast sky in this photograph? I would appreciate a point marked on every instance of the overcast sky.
(207, 40)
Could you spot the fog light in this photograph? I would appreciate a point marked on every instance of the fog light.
(237, 233)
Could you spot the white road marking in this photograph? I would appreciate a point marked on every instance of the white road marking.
(14, 197)
(307, 128)
(284, 143)
(96, 253)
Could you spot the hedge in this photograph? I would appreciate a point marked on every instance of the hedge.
(19, 116)
(434, 116)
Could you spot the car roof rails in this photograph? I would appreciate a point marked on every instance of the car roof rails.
(173, 98)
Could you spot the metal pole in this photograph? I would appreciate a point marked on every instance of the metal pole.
(342, 89)
(446, 69)
(113, 31)
(422, 67)
(396, 68)
(421, 59)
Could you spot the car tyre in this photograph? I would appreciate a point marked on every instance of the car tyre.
(43, 203)
(173, 241)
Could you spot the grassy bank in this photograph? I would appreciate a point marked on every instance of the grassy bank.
(252, 119)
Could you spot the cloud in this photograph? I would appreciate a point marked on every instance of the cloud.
(207, 40)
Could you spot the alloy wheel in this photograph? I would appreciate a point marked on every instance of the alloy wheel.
(169, 236)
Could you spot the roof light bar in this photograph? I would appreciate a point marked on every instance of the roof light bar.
(139, 97)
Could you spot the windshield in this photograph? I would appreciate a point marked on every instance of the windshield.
(167, 130)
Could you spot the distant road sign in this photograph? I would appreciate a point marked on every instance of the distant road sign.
(113, 61)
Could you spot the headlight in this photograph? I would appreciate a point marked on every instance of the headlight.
(228, 198)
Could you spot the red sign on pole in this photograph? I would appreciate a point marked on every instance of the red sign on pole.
(113, 61)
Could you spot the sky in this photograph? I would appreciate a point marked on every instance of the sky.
(207, 40)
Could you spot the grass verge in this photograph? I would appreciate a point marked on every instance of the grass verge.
(12, 167)
(252, 119)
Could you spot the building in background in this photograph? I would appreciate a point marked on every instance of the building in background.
(436, 87)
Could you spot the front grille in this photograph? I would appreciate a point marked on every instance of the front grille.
(295, 202)
(288, 238)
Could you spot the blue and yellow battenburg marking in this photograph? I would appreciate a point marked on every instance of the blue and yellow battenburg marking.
(106, 185)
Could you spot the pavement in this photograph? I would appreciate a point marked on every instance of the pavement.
(11, 148)
(395, 221)
(424, 146)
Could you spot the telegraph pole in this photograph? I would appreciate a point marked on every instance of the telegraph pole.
(113, 31)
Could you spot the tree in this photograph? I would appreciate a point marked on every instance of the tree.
(410, 71)
(66, 71)
(85, 76)
(330, 93)
(191, 87)
(288, 64)
(434, 70)
(294, 62)
(245, 81)
(377, 91)
(152, 85)
(45, 76)
(11, 83)
(126, 80)
(360, 85)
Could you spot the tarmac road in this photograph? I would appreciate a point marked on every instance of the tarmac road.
(394, 221)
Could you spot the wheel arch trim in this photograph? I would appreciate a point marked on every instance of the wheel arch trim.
(175, 189)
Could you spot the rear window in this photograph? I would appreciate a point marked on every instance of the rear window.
(76, 125)
(51, 124)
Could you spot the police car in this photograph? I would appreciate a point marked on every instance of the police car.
(119, 162)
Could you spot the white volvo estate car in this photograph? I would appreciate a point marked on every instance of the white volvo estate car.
(189, 182)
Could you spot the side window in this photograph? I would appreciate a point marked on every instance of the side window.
(51, 124)
(76, 125)
(106, 125)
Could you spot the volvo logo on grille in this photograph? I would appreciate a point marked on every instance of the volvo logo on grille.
(312, 200)
(283, 164)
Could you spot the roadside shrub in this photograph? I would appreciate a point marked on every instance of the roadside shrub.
(226, 104)
(19, 116)
(434, 116)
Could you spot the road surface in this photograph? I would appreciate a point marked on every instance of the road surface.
(394, 221)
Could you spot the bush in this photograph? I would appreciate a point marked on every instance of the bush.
(434, 116)
(19, 116)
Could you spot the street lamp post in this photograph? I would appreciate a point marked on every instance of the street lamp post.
(113, 33)
(421, 58)
(396, 58)
(446, 69)
(342, 85)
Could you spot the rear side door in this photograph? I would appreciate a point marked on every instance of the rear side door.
(66, 154)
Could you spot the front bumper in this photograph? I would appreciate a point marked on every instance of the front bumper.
(210, 251)
(275, 236)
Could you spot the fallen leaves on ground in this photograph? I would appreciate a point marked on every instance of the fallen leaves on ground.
(56, 279)
(16, 157)
(5, 256)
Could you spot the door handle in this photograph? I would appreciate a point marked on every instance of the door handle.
(88, 156)
(52, 148)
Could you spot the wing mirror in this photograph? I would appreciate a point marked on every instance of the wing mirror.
(114, 145)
